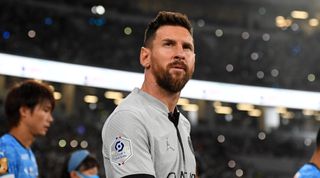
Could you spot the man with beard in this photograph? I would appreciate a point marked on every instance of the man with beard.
(146, 136)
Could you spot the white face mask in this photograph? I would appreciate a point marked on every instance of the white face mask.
(85, 176)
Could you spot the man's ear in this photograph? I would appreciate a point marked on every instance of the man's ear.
(145, 57)
(24, 111)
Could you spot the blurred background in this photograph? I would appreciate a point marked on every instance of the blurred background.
(265, 43)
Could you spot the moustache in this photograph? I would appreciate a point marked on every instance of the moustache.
(178, 64)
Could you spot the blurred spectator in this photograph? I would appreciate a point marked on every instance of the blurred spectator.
(80, 164)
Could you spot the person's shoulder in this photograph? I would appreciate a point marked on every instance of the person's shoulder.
(124, 117)
(5, 140)
(133, 101)
(7, 143)
(308, 170)
(127, 111)
(131, 105)
(8, 148)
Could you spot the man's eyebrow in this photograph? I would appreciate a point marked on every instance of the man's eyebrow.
(188, 44)
(168, 40)
(185, 43)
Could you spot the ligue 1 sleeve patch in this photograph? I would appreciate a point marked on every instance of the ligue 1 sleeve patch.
(121, 150)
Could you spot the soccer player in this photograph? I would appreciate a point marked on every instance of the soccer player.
(28, 108)
(146, 136)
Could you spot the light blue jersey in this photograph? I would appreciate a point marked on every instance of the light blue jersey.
(20, 161)
(308, 170)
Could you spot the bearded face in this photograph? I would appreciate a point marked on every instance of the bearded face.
(170, 58)
(173, 77)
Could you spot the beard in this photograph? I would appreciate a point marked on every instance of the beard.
(172, 82)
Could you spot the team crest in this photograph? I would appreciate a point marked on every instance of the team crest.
(121, 150)
(3, 166)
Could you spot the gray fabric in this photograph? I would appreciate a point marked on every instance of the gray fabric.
(138, 138)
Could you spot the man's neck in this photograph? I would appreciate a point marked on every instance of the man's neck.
(168, 98)
(20, 133)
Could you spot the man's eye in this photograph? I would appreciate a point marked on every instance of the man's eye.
(189, 48)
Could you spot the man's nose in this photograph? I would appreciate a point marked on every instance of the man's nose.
(51, 118)
(180, 53)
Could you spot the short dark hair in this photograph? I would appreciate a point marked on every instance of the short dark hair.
(166, 18)
(28, 93)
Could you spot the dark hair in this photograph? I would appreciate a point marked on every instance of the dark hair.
(28, 93)
(88, 163)
(166, 18)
